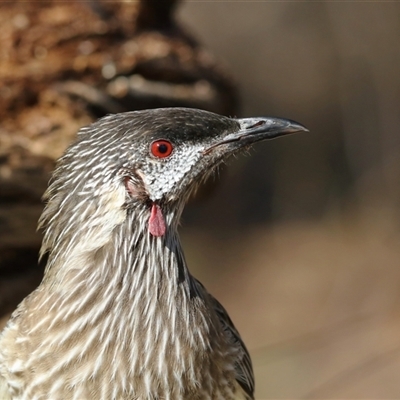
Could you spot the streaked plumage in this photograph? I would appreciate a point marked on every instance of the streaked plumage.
(118, 315)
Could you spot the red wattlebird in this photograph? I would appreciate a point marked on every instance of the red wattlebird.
(118, 314)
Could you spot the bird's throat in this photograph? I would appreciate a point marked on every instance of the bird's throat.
(126, 312)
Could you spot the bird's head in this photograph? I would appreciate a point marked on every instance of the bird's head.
(144, 163)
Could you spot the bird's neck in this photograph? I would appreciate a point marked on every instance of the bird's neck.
(130, 264)
(98, 255)
(134, 298)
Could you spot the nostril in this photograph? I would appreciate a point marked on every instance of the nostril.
(256, 125)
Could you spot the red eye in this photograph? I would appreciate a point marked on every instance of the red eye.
(161, 148)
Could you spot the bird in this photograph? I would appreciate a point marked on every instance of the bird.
(118, 314)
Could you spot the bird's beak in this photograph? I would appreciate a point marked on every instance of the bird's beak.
(256, 129)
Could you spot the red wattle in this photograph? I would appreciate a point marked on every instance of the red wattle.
(156, 222)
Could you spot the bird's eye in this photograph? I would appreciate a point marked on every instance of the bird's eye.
(161, 148)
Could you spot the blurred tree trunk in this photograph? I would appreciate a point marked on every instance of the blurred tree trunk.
(63, 65)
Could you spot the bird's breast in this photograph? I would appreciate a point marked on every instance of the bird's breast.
(121, 341)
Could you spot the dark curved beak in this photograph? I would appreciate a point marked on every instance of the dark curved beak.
(253, 130)
(256, 129)
(268, 128)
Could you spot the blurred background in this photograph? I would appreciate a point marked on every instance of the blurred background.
(306, 252)
(300, 240)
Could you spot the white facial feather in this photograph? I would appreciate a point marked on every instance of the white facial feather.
(162, 175)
